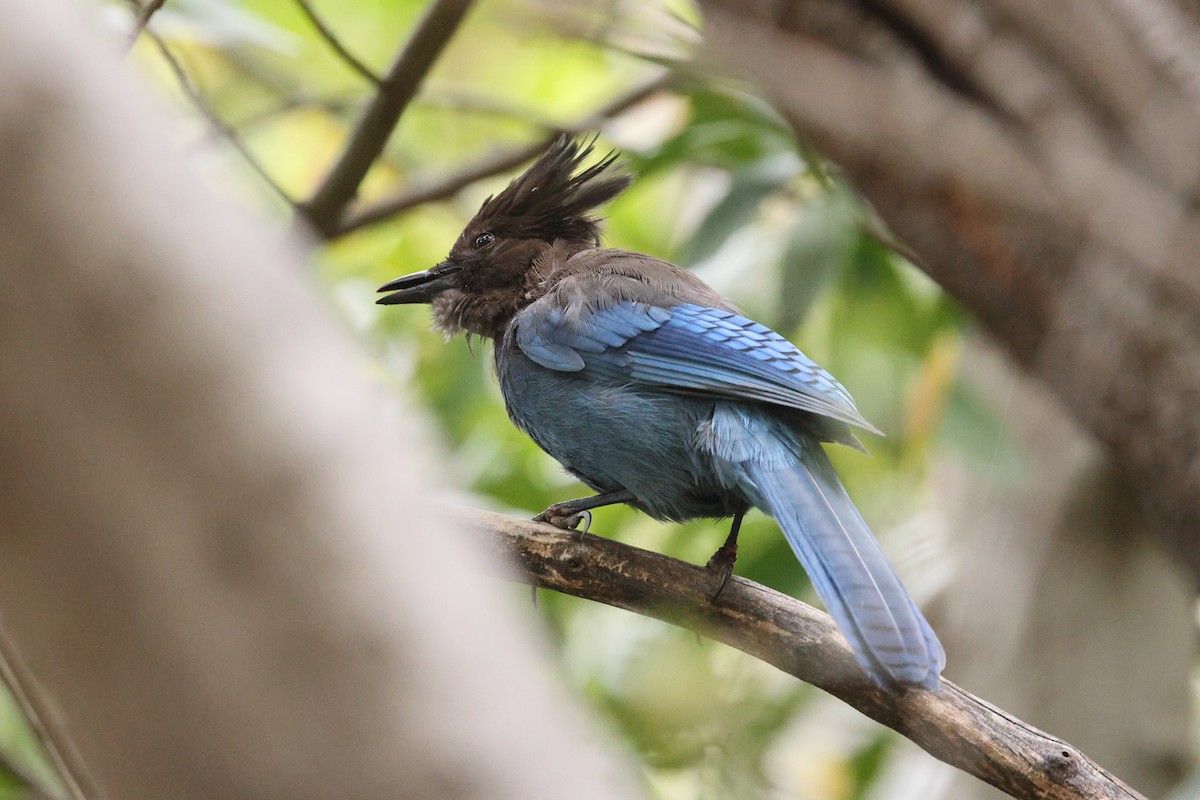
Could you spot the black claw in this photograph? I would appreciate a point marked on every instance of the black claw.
(724, 569)
(722, 561)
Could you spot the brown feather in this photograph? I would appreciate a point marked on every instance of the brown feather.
(540, 221)
(550, 200)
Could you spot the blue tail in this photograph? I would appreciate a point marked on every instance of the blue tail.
(850, 573)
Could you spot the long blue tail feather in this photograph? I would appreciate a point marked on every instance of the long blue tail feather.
(852, 576)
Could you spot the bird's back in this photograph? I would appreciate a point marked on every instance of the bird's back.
(602, 277)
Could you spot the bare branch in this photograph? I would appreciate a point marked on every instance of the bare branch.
(335, 44)
(201, 105)
(481, 103)
(324, 210)
(447, 187)
(143, 19)
(950, 724)
(332, 106)
(490, 166)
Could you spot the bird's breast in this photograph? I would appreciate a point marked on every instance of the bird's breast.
(614, 435)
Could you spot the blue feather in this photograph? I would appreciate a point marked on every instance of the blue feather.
(645, 384)
(687, 347)
(792, 480)
(651, 399)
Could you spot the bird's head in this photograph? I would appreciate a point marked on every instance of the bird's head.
(492, 267)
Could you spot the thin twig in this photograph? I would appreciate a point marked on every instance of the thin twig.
(329, 105)
(466, 101)
(335, 44)
(324, 209)
(496, 164)
(201, 105)
(492, 165)
(251, 65)
(143, 19)
(950, 724)
(53, 741)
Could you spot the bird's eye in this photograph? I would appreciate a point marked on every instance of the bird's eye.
(483, 240)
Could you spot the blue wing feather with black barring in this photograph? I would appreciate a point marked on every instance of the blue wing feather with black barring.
(687, 347)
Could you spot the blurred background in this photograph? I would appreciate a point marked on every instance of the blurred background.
(1007, 523)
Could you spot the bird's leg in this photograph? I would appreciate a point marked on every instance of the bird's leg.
(722, 560)
(568, 514)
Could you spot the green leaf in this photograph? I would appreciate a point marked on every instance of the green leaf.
(978, 431)
(819, 246)
(739, 206)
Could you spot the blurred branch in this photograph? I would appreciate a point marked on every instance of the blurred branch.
(143, 19)
(250, 64)
(332, 106)
(201, 105)
(950, 724)
(258, 649)
(336, 44)
(325, 208)
(455, 98)
(55, 743)
(1052, 193)
(495, 164)
(870, 223)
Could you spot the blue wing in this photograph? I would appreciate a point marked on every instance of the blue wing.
(688, 348)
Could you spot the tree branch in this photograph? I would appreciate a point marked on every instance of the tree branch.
(335, 44)
(143, 19)
(490, 166)
(324, 210)
(951, 724)
(219, 125)
(1060, 209)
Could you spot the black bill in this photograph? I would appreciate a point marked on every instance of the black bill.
(420, 287)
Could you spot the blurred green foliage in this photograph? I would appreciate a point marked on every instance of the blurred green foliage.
(723, 188)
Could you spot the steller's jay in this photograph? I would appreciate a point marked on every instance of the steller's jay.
(651, 389)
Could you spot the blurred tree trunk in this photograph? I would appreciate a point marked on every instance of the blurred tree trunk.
(1062, 610)
(216, 552)
(1040, 160)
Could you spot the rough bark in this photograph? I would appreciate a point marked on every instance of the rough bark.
(215, 552)
(1040, 160)
(950, 724)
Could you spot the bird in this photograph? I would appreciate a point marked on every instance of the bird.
(656, 392)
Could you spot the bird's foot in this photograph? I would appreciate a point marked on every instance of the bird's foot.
(565, 516)
(722, 564)
(571, 514)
